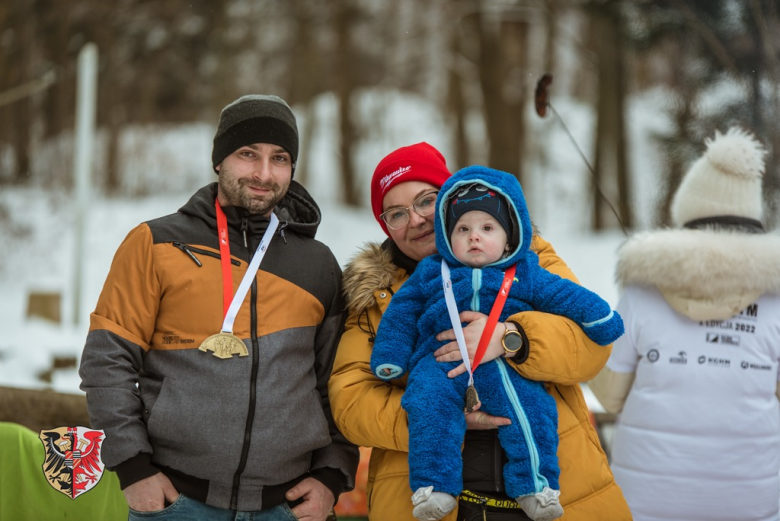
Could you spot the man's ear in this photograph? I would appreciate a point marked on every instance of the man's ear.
(218, 167)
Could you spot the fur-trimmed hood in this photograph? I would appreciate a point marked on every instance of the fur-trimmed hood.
(703, 274)
(370, 270)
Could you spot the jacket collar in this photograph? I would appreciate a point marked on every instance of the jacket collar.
(704, 274)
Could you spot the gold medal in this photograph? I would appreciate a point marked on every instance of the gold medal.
(472, 399)
(224, 345)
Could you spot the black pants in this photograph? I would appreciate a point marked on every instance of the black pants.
(483, 466)
(468, 511)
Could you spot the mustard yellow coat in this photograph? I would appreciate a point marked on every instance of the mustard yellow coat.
(368, 410)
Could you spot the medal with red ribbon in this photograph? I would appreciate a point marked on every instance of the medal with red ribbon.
(472, 398)
(225, 344)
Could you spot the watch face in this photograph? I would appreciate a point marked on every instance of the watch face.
(512, 340)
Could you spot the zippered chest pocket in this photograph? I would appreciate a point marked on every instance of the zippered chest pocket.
(191, 252)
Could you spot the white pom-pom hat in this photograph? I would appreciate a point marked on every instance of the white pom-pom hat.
(725, 181)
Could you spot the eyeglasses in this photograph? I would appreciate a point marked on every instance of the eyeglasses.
(398, 217)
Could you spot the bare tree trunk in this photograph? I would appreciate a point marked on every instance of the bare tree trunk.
(302, 171)
(684, 114)
(611, 175)
(490, 81)
(514, 45)
(111, 114)
(113, 178)
(583, 68)
(21, 115)
(456, 103)
(7, 60)
(59, 109)
(306, 59)
(551, 17)
(305, 73)
(768, 23)
(17, 116)
(344, 20)
(222, 91)
(502, 48)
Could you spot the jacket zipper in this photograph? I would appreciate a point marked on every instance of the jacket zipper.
(498, 468)
(191, 251)
(539, 480)
(476, 284)
(252, 379)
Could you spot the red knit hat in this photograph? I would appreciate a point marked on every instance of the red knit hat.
(420, 162)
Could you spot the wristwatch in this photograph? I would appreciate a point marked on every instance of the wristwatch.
(512, 340)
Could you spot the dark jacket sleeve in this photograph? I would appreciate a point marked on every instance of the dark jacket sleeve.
(340, 455)
(120, 330)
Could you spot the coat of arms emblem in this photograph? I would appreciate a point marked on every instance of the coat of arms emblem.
(72, 464)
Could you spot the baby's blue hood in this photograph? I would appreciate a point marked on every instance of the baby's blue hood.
(503, 183)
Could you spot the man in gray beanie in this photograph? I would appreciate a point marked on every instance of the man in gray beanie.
(210, 348)
(255, 118)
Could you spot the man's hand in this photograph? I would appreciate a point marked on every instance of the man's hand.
(471, 333)
(150, 494)
(317, 503)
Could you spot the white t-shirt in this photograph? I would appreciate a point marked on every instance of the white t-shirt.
(699, 436)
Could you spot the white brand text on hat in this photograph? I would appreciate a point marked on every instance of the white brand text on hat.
(392, 175)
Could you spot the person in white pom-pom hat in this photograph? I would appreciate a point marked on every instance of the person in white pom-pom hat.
(695, 377)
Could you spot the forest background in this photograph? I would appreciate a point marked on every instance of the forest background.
(637, 87)
(472, 65)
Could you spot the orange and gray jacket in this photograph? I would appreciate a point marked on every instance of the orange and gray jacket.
(235, 433)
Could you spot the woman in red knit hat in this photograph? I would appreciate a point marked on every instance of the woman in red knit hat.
(368, 410)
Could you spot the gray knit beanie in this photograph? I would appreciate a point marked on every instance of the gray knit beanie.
(255, 118)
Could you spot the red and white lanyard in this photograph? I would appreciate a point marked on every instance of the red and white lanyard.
(232, 303)
(495, 311)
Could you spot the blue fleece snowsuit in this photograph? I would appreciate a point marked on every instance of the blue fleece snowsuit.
(406, 341)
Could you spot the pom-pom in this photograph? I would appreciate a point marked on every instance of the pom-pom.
(736, 152)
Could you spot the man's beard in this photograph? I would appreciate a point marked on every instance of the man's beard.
(235, 193)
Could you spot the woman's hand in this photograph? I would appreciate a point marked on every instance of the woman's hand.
(472, 333)
(478, 420)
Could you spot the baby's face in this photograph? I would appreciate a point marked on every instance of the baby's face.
(478, 239)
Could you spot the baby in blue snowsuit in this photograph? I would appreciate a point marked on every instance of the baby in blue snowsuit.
(482, 228)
